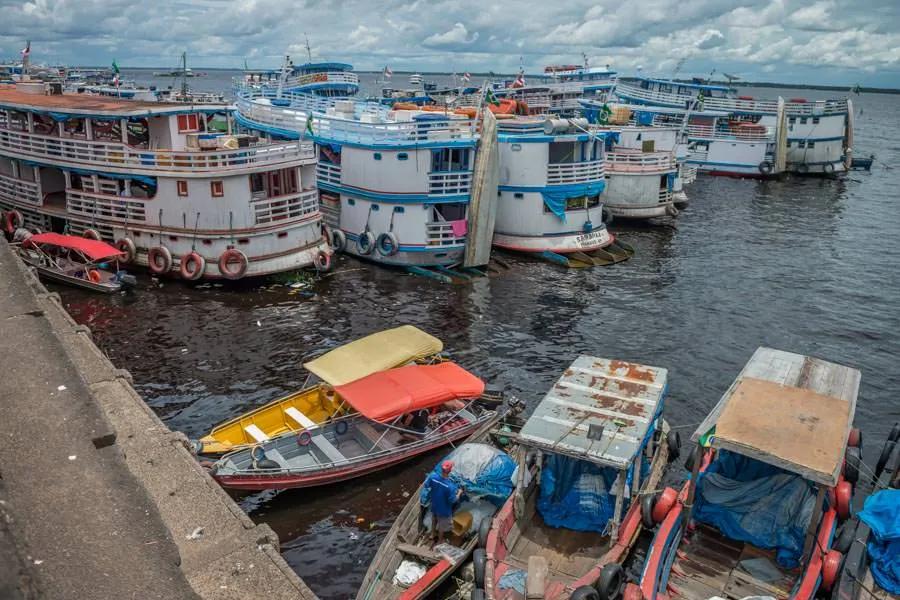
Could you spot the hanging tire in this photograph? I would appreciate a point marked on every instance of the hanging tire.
(851, 465)
(322, 261)
(365, 243)
(585, 592)
(192, 266)
(673, 442)
(91, 234)
(304, 438)
(341, 427)
(664, 504)
(647, 503)
(828, 168)
(610, 582)
(765, 167)
(338, 241)
(159, 260)
(885, 456)
(855, 439)
(803, 168)
(477, 594)
(233, 264)
(479, 562)
(606, 216)
(831, 568)
(844, 538)
(843, 496)
(691, 458)
(13, 220)
(387, 244)
(127, 249)
(483, 531)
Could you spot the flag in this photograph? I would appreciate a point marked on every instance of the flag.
(388, 72)
(115, 67)
(466, 77)
(520, 80)
(490, 98)
(26, 51)
(116, 80)
(309, 126)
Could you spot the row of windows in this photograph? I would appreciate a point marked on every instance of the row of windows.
(803, 120)
(803, 144)
(400, 156)
(376, 207)
(216, 188)
(241, 241)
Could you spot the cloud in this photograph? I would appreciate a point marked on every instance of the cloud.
(457, 36)
(710, 39)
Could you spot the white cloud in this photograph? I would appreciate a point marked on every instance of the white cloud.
(710, 39)
(457, 36)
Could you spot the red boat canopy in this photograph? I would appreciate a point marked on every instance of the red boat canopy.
(93, 249)
(388, 394)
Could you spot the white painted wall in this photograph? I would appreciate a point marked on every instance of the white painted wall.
(526, 216)
(360, 169)
(632, 190)
(523, 164)
(408, 226)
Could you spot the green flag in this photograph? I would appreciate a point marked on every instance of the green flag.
(490, 98)
(115, 67)
(309, 124)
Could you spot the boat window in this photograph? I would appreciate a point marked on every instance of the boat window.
(450, 212)
(450, 159)
(351, 201)
(801, 144)
(518, 195)
(207, 242)
(515, 147)
(282, 234)
(810, 144)
(377, 156)
(399, 209)
(182, 187)
(792, 120)
(243, 241)
(375, 208)
(803, 120)
(217, 189)
(815, 120)
(257, 183)
(402, 156)
(188, 123)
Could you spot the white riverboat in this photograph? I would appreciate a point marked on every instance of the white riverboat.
(152, 178)
(818, 135)
(561, 88)
(395, 184)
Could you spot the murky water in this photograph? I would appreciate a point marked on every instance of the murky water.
(803, 264)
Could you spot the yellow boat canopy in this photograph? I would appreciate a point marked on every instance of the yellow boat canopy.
(374, 353)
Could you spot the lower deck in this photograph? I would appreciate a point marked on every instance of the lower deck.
(569, 554)
(709, 564)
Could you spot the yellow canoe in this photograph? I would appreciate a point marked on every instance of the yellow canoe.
(317, 404)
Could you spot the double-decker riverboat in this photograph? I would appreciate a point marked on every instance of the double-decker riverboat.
(153, 179)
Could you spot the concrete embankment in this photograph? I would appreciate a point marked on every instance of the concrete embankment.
(98, 499)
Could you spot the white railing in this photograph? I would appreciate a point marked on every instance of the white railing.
(575, 172)
(122, 157)
(665, 195)
(449, 182)
(18, 190)
(440, 233)
(708, 132)
(287, 207)
(640, 162)
(105, 206)
(688, 173)
(328, 173)
(315, 79)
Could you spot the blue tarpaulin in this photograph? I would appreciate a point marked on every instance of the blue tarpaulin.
(555, 196)
(576, 494)
(882, 514)
(482, 470)
(642, 117)
(751, 501)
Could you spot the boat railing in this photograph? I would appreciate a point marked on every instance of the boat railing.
(709, 132)
(442, 183)
(687, 173)
(640, 162)
(665, 195)
(18, 190)
(311, 79)
(575, 172)
(440, 233)
(105, 206)
(328, 173)
(288, 207)
(123, 157)
(698, 155)
(816, 108)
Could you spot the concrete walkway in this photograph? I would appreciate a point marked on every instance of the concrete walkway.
(98, 498)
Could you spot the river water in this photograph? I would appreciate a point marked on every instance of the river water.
(805, 265)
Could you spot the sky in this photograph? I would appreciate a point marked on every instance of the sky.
(809, 41)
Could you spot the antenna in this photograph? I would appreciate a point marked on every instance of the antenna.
(308, 49)
(584, 57)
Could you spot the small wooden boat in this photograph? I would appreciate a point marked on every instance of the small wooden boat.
(75, 261)
(600, 443)
(379, 432)
(408, 538)
(753, 518)
(360, 358)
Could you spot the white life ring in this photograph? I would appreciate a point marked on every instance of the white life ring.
(128, 250)
(387, 244)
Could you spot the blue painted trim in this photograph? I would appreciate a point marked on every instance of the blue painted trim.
(284, 133)
(410, 145)
(550, 188)
(394, 198)
(540, 138)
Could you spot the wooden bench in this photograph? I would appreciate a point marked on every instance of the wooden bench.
(367, 430)
(256, 433)
(316, 437)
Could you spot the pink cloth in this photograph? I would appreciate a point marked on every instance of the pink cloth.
(459, 227)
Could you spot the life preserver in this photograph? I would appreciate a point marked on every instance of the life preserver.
(365, 242)
(13, 220)
(664, 504)
(159, 260)
(338, 240)
(192, 266)
(341, 427)
(304, 438)
(128, 250)
(387, 244)
(843, 495)
(831, 566)
(322, 261)
(91, 234)
(828, 168)
(765, 167)
(233, 264)
(94, 276)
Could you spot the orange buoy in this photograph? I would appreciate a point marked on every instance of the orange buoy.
(233, 264)
(94, 276)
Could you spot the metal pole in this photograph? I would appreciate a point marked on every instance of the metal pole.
(692, 489)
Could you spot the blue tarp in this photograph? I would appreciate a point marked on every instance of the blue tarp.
(882, 514)
(555, 196)
(642, 117)
(482, 470)
(575, 494)
(751, 501)
(151, 181)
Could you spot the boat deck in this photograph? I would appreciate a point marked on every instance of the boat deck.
(711, 565)
(570, 554)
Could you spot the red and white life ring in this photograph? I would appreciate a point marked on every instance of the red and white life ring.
(128, 250)
(192, 267)
(13, 220)
(91, 234)
(233, 264)
(159, 260)
(322, 261)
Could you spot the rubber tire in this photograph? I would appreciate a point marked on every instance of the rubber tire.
(606, 216)
(128, 249)
(855, 439)
(832, 564)
(266, 463)
(483, 531)
(673, 441)
(611, 582)
(365, 248)
(477, 594)
(843, 500)
(844, 538)
(152, 264)
(322, 262)
(391, 238)
(689, 461)
(338, 240)
(585, 592)
(883, 459)
(223, 262)
(193, 257)
(647, 504)
(851, 465)
(91, 234)
(479, 562)
(341, 427)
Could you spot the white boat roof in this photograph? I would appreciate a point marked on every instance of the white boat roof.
(600, 410)
(787, 410)
(86, 105)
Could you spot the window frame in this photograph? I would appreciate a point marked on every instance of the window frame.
(181, 187)
(217, 188)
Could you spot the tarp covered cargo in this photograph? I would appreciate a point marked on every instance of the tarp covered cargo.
(882, 514)
(787, 410)
(386, 395)
(373, 353)
(93, 249)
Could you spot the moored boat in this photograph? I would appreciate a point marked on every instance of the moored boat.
(772, 475)
(317, 403)
(599, 443)
(397, 415)
(76, 261)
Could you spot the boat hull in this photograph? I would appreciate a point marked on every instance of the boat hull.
(560, 244)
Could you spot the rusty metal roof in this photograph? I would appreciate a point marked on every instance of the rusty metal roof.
(88, 104)
(599, 410)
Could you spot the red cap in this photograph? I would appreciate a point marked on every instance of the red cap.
(447, 466)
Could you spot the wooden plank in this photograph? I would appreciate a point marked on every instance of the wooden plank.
(422, 552)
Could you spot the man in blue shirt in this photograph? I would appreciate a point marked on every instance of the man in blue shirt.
(444, 494)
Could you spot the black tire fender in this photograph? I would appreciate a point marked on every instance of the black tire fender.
(851, 465)
(691, 459)
(673, 441)
(844, 537)
(883, 459)
(585, 592)
(477, 594)
(894, 435)
(647, 504)
(610, 582)
(483, 530)
(479, 562)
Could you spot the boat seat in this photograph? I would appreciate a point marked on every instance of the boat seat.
(256, 433)
(273, 454)
(373, 435)
(301, 419)
(328, 449)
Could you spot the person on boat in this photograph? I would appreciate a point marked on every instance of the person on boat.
(444, 494)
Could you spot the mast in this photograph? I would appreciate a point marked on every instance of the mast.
(308, 49)
(184, 85)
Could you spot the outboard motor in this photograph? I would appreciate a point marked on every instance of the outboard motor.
(126, 279)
